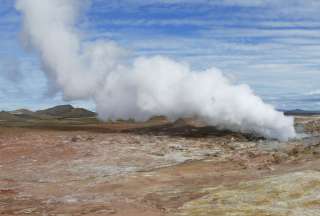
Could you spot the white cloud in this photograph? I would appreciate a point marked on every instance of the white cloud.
(272, 35)
(314, 92)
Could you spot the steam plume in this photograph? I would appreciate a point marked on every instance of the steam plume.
(149, 86)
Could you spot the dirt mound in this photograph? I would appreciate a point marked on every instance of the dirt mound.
(185, 128)
(158, 119)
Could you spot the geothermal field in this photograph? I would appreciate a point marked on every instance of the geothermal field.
(63, 161)
(174, 127)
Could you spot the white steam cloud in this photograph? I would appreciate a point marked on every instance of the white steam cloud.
(148, 86)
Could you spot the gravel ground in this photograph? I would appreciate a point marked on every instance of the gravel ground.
(157, 171)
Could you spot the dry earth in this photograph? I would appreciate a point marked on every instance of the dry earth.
(131, 170)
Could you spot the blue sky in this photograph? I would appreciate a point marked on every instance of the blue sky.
(272, 45)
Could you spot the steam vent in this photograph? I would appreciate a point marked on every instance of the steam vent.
(159, 108)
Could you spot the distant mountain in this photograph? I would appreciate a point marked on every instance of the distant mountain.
(301, 112)
(7, 116)
(66, 111)
(22, 112)
(57, 112)
(28, 114)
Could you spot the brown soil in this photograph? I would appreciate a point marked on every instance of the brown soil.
(117, 169)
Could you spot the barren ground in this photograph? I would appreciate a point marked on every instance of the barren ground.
(153, 169)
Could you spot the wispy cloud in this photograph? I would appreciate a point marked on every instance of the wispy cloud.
(254, 40)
